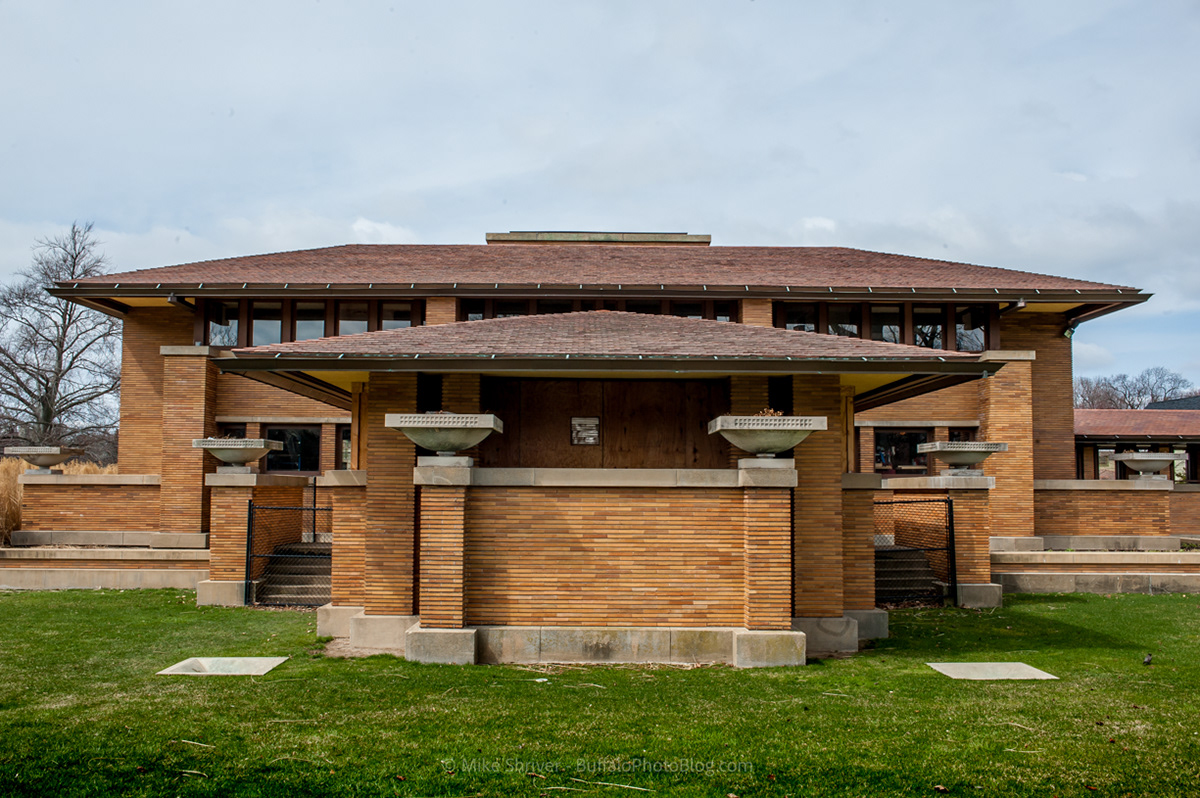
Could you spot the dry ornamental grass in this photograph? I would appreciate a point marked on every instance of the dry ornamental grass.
(11, 492)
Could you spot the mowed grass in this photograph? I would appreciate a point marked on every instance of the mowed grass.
(83, 713)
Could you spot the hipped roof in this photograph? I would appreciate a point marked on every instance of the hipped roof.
(1138, 423)
(579, 266)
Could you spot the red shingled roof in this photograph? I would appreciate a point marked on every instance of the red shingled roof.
(1135, 423)
(602, 334)
(592, 265)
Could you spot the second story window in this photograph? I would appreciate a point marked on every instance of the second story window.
(266, 323)
(970, 328)
(799, 316)
(310, 320)
(887, 323)
(223, 323)
(352, 317)
(845, 320)
(395, 315)
(929, 326)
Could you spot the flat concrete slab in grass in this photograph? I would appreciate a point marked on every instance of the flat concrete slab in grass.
(989, 671)
(224, 666)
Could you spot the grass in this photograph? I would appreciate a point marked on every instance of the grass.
(11, 490)
(82, 713)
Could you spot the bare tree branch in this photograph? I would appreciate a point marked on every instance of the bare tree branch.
(59, 362)
(1122, 392)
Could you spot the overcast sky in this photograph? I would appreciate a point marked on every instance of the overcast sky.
(1060, 137)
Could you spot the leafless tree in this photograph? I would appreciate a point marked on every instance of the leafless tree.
(1122, 392)
(59, 362)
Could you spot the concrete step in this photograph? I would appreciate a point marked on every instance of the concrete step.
(300, 568)
(290, 580)
(32, 537)
(309, 598)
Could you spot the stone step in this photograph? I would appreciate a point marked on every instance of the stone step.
(296, 580)
(309, 598)
(300, 568)
(109, 539)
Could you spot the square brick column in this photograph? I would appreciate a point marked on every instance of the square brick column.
(231, 495)
(973, 559)
(349, 544)
(766, 558)
(441, 310)
(389, 578)
(1006, 416)
(443, 509)
(817, 510)
(188, 412)
(758, 312)
(858, 541)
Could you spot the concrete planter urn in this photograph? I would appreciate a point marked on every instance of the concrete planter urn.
(1148, 464)
(43, 457)
(961, 456)
(444, 433)
(237, 453)
(766, 436)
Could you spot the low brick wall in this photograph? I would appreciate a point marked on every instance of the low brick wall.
(1097, 562)
(604, 557)
(1093, 507)
(1185, 510)
(67, 507)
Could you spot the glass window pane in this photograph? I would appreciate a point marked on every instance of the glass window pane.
(885, 323)
(301, 449)
(267, 322)
(688, 310)
(896, 452)
(222, 323)
(651, 306)
(970, 327)
(845, 320)
(510, 307)
(962, 434)
(343, 452)
(555, 306)
(929, 326)
(723, 311)
(352, 318)
(395, 315)
(472, 309)
(800, 317)
(310, 320)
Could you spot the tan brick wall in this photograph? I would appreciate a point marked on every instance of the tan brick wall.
(1006, 416)
(956, 403)
(66, 508)
(146, 330)
(604, 557)
(972, 530)
(866, 449)
(242, 396)
(229, 517)
(442, 520)
(441, 310)
(188, 412)
(817, 512)
(389, 582)
(1053, 398)
(758, 312)
(460, 393)
(766, 559)
(1185, 513)
(349, 540)
(858, 549)
(1103, 512)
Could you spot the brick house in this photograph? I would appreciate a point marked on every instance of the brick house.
(647, 537)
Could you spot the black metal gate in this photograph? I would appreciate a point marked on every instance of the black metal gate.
(914, 550)
(289, 555)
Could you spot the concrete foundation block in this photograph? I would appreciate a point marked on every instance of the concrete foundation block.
(768, 649)
(444, 646)
(335, 621)
(517, 644)
(980, 596)
(1015, 544)
(178, 540)
(702, 645)
(828, 635)
(220, 594)
(605, 644)
(381, 632)
(1037, 583)
(872, 624)
(1175, 583)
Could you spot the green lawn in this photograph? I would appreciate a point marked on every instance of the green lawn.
(82, 713)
